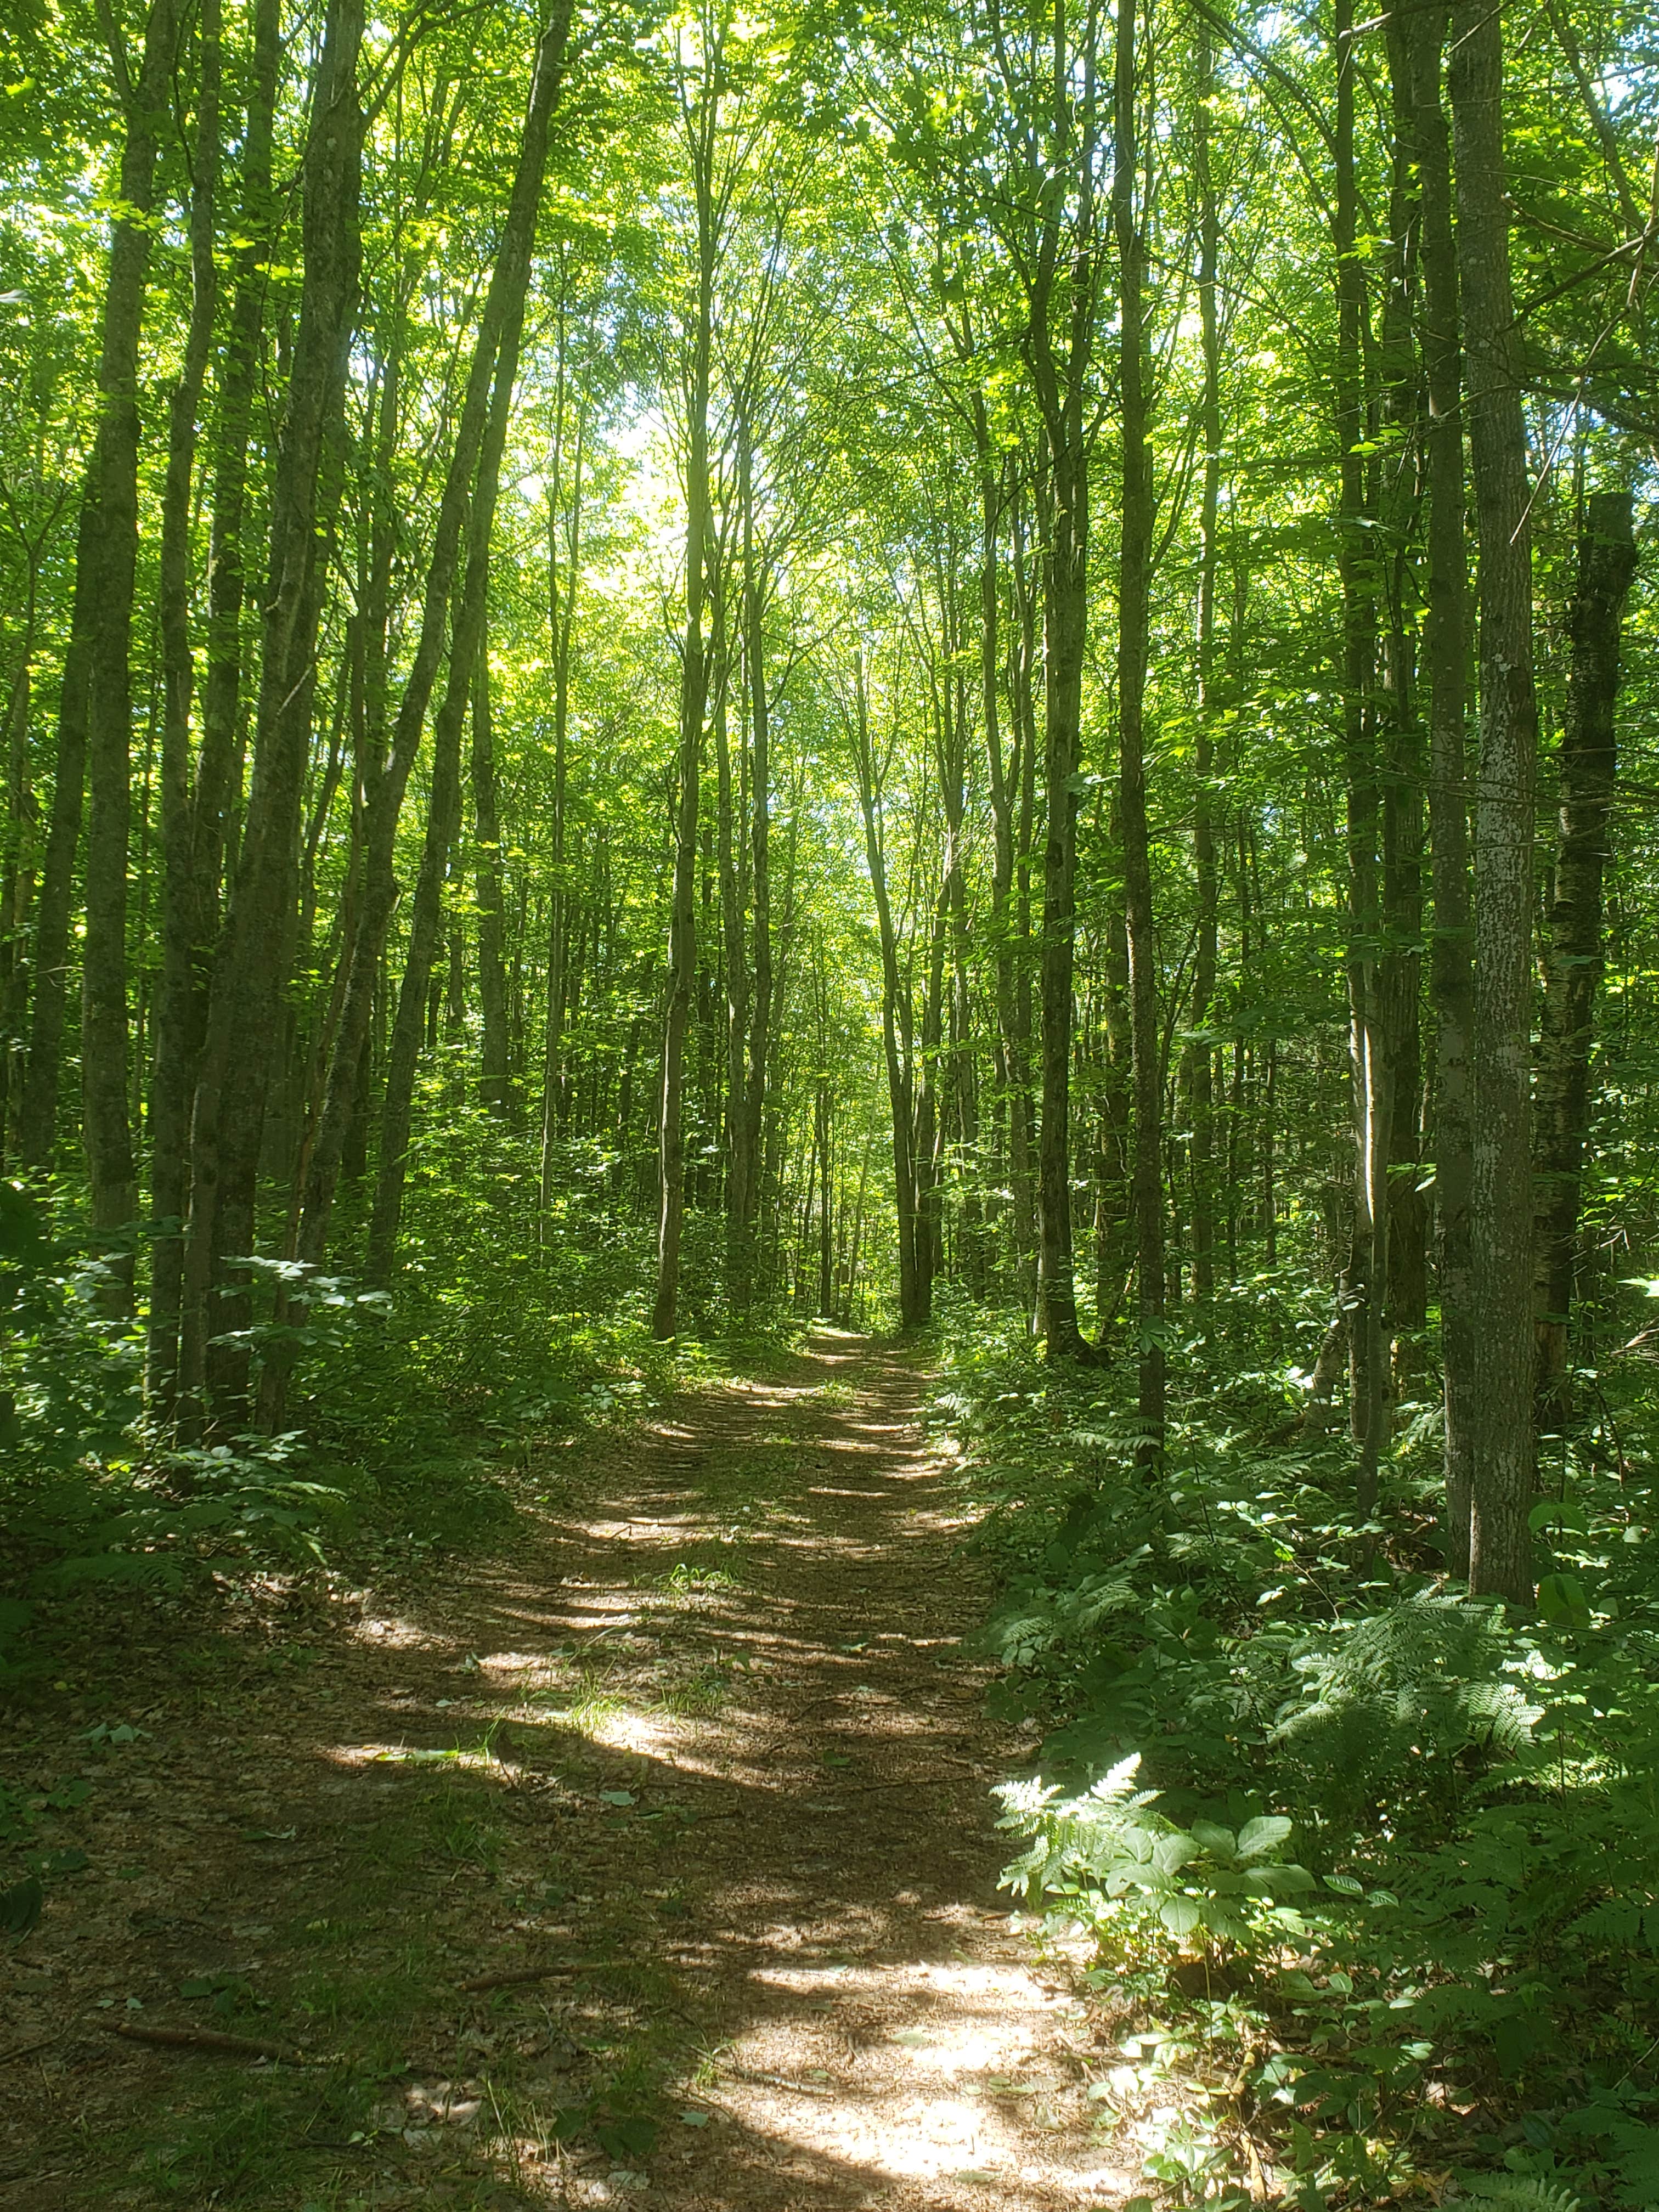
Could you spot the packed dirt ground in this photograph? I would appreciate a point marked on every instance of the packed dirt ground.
(653, 1857)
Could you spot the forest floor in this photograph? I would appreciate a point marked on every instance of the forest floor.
(651, 1858)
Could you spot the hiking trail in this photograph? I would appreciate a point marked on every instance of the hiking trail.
(677, 1821)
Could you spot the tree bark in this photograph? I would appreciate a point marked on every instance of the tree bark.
(1205, 871)
(1573, 945)
(1445, 669)
(494, 1087)
(702, 122)
(250, 972)
(184, 894)
(1501, 1211)
(1134, 591)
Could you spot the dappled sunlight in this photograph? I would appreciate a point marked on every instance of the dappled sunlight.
(396, 1634)
(698, 1770)
(883, 2051)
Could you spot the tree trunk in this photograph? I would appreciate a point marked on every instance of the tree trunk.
(1066, 621)
(443, 814)
(912, 1308)
(178, 1004)
(95, 700)
(1204, 852)
(494, 1089)
(1501, 1212)
(826, 1187)
(758, 1048)
(1022, 805)
(1065, 299)
(1134, 588)
(17, 880)
(1365, 1286)
(694, 703)
(730, 802)
(1405, 1288)
(112, 490)
(249, 973)
(497, 343)
(560, 614)
(1573, 957)
(1445, 663)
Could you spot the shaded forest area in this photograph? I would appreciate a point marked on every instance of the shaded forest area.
(980, 673)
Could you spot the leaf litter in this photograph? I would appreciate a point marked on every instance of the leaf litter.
(528, 1861)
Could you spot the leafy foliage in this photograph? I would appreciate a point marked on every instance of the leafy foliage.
(1472, 1792)
(1136, 1879)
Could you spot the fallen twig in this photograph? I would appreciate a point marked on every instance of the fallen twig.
(908, 1782)
(27, 2050)
(511, 1976)
(782, 2082)
(202, 2038)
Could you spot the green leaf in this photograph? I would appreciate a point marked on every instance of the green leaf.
(54, 1862)
(1180, 1915)
(1265, 1833)
(1562, 1514)
(23, 1239)
(1282, 1881)
(20, 1906)
(632, 2135)
(1563, 1601)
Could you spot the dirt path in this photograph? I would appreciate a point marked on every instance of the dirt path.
(707, 1759)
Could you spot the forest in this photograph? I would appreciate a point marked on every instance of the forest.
(828, 917)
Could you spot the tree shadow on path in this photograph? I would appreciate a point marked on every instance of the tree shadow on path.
(694, 1789)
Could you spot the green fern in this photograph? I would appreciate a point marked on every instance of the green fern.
(1520, 2192)
(1423, 1681)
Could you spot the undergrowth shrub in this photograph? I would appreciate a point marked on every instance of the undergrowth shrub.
(399, 1411)
(1459, 1971)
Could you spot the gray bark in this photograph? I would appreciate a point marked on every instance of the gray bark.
(1501, 1212)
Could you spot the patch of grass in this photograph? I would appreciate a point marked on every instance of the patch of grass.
(461, 1830)
(361, 1996)
(705, 1568)
(587, 1710)
(712, 2059)
(697, 1695)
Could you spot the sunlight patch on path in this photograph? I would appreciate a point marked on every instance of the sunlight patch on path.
(873, 2044)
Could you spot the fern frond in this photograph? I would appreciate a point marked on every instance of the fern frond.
(1520, 2192)
(1426, 1676)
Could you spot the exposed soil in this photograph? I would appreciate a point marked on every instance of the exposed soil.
(704, 1754)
